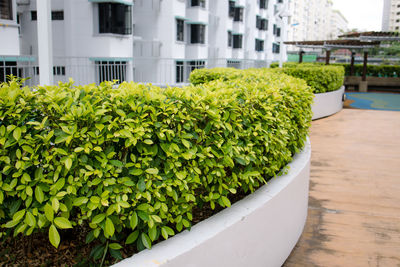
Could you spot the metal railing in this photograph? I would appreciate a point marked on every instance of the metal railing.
(84, 70)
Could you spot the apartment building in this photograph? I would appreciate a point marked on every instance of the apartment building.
(314, 20)
(9, 45)
(189, 34)
(158, 41)
(391, 15)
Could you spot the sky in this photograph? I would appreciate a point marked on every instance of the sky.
(361, 14)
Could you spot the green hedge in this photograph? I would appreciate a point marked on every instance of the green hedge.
(373, 70)
(131, 163)
(321, 78)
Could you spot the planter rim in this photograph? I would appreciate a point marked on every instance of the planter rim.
(325, 93)
(185, 241)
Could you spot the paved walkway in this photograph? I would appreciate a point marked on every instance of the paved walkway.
(354, 204)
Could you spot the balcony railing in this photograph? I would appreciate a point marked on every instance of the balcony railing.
(84, 70)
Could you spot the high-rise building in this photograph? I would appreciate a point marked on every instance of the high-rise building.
(315, 20)
(159, 41)
(391, 15)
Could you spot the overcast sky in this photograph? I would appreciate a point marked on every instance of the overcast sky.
(361, 14)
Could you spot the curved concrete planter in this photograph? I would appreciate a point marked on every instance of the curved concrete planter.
(260, 230)
(327, 104)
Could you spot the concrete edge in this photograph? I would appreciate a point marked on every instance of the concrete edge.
(327, 104)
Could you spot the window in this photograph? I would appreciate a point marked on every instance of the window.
(179, 71)
(233, 64)
(280, 1)
(263, 4)
(33, 15)
(259, 45)
(111, 70)
(201, 3)
(115, 18)
(57, 15)
(275, 29)
(197, 33)
(230, 39)
(275, 48)
(231, 9)
(59, 70)
(195, 64)
(238, 14)
(6, 11)
(278, 32)
(8, 68)
(264, 24)
(237, 41)
(258, 22)
(180, 30)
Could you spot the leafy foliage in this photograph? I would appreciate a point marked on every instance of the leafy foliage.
(132, 162)
(373, 70)
(322, 78)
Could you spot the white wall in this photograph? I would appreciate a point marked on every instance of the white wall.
(9, 35)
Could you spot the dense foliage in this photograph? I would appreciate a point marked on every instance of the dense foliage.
(373, 70)
(322, 78)
(131, 163)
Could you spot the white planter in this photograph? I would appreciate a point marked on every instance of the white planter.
(326, 104)
(260, 230)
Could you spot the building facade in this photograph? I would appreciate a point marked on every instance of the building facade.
(158, 41)
(9, 36)
(391, 15)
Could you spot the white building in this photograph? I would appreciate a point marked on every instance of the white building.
(159, 41)
(391, 15)
(314, 20)
(338, 25)
(189, 34)
(9, 44)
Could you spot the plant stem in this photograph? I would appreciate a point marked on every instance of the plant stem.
(104, 255)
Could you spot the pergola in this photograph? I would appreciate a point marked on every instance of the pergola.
(371, 36)
(328, 45)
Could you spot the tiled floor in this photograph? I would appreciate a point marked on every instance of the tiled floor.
(354, 202)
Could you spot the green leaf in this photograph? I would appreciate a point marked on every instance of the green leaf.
(62, 223)
(17, 133)
(68, 163)
(30, 219)
(39, 194)
(109, 228)
(186, 143)
(226, 201)
(54, 236)
(48, 211)
(99, 218)
(18, 215)
(146, 240)
(133, 221)
(55, 204)
(116, 163)
(115, 246)
(152, 171)
(148, 141)
(136, 172)
(153, 233)
(141, 185)
(132, 237)
(80, 201)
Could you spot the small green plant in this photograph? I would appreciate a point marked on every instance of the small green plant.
(131, 163)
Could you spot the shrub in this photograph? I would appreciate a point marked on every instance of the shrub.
(131, 163)
(321, 78)
(373, 70)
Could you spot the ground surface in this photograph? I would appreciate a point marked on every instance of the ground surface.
(376, 101)
(354, 204)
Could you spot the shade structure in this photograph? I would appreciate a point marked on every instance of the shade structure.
(371, 36)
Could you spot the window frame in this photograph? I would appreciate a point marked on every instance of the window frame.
(200, 36)
(109, 24)
(180, 30)
(237, 43)
(8, 14)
